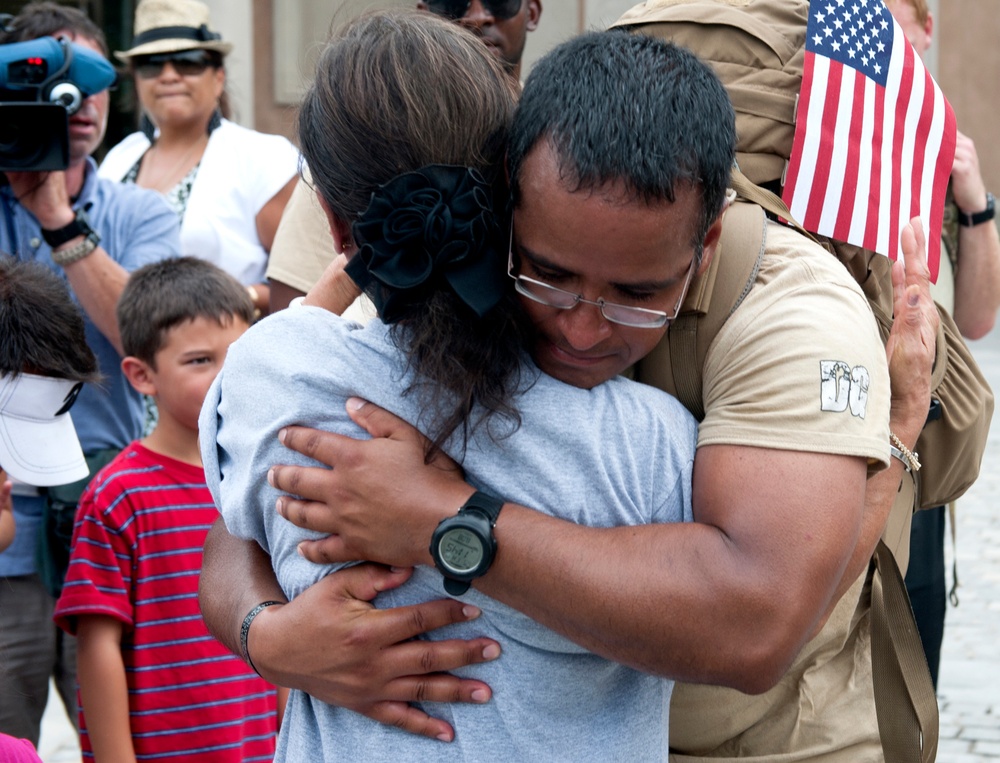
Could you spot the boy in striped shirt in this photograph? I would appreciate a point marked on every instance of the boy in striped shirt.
(153, 683)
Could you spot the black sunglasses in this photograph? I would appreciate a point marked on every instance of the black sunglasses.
(187, 63)
(456, 9)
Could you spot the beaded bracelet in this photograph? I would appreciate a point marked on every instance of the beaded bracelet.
(245, 630)
(911, 462)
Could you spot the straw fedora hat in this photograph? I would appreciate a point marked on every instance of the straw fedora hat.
(165, 26)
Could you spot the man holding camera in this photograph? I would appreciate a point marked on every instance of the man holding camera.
(92, 233)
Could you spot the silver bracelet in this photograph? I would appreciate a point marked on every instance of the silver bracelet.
(245, 630)
(911, 462)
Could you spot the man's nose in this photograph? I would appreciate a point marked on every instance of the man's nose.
(168, 72)
(583, 326)
(477, 15)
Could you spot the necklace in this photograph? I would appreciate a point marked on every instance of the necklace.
(173, 172)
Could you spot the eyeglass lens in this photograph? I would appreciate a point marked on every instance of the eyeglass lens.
(456, 9)
(637, 317)
(187, 63)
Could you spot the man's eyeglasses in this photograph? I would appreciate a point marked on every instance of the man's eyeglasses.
(187, 63)
(624, 315)
(456, 9)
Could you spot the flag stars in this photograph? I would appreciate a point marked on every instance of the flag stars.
(827, 32)
(817, 40)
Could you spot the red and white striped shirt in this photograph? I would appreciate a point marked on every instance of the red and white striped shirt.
(136, 557)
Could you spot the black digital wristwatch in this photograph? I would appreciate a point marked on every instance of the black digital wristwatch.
(463, 546)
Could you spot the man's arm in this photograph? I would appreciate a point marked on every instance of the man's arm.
(977, 278)
(750, 595)
(96, 280)
(780, 535)
(342, 650)
(103, 688)
(282, 295)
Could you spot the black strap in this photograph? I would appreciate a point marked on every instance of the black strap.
(487, 505)
(200, 34)
(905, 703)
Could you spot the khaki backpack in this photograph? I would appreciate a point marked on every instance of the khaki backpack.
(757, 48)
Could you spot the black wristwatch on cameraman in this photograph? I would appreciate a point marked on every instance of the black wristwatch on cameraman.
(80, 226)
(972, 220)
(463, 546)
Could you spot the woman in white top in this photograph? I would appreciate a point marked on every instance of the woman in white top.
(228, 184)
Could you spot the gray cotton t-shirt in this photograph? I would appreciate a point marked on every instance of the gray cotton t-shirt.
(618, 454)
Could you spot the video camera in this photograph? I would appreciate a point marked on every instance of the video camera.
(43, 82)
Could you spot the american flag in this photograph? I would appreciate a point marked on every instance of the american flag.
(874, 136)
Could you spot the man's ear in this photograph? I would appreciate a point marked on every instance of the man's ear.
(534, 14)
(711, 240)
(139, 375)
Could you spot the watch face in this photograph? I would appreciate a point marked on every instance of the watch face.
(460, 550)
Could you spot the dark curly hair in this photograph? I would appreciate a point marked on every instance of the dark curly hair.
(397, 91)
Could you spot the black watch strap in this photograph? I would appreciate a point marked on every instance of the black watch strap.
(455, 587)
(486, 504)
(59, 236)
(976, 218)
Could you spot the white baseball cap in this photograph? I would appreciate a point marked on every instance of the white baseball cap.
(38, 442)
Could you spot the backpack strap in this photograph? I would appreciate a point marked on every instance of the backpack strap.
(953, 593)
(766, 199)
(909, 730)
(676, 363)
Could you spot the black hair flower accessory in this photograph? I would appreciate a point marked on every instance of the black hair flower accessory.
(434, 223)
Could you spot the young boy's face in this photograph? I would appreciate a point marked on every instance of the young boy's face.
(187, 364)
